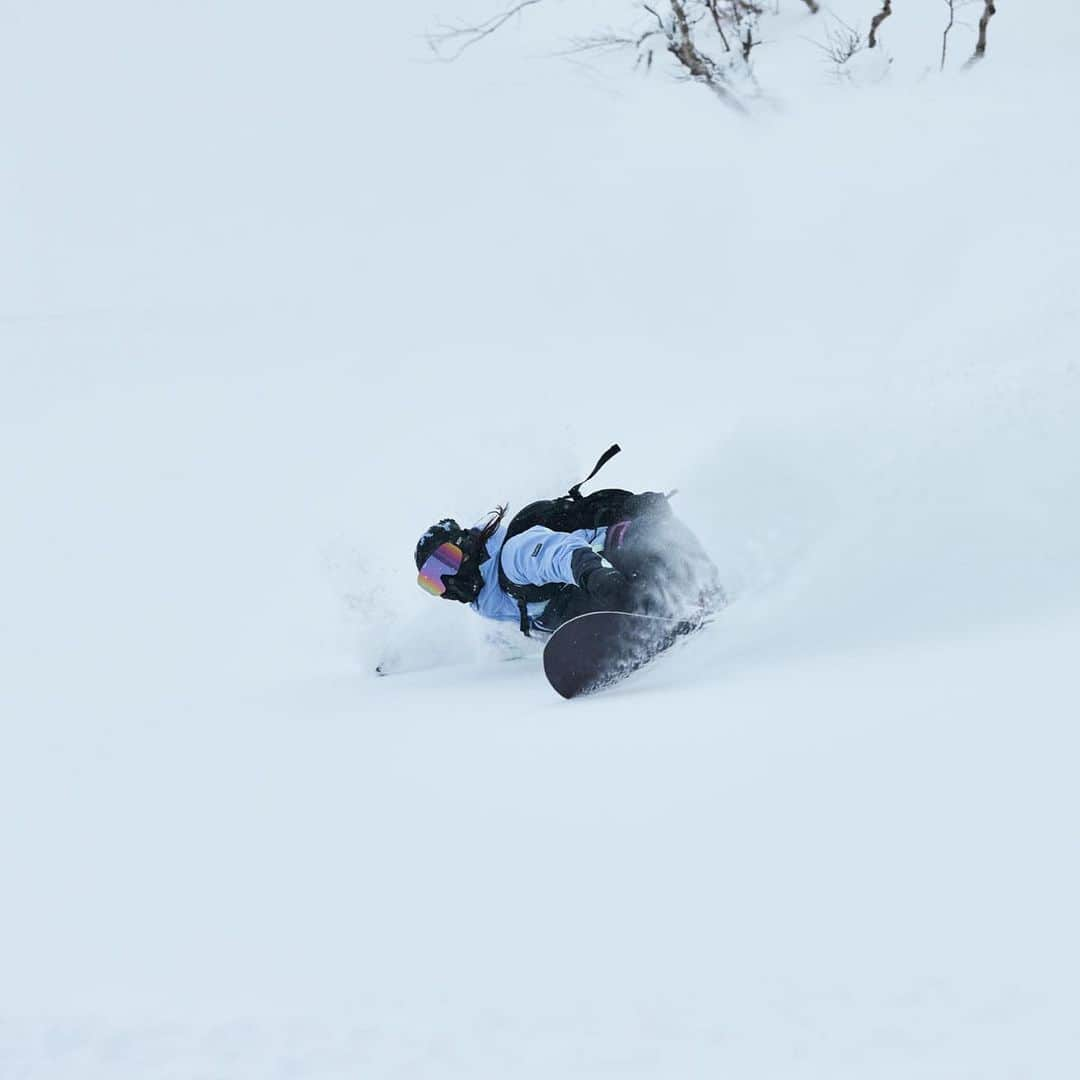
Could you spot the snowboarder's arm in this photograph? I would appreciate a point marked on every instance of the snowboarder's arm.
(540, 556)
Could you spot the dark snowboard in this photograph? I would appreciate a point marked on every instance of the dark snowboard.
(595, 650)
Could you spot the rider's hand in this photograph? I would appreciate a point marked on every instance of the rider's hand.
(599, 579)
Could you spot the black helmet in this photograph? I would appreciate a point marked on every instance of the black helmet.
(446, 556)
(447, 531)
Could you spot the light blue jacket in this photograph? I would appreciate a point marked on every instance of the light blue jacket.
(537, 556)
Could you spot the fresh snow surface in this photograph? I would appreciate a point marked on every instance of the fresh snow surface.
(276, 293)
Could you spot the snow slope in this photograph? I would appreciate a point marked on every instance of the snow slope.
(273, 296)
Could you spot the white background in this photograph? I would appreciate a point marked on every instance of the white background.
(276, 292)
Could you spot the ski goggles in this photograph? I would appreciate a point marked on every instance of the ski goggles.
(444, 561)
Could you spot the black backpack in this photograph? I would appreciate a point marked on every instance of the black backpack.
(570, 512)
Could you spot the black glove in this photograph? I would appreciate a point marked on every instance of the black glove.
(599, 579)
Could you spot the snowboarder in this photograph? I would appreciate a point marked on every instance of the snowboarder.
(612, 550)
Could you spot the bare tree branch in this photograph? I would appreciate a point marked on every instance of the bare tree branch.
(653, 12)
(462, 37)
(989, 11)
(714, 11)
(699, 66)
(842, 42)
(747, 8)
(748, 43)
(876, 21)
(609, 42)
(945, 36)
(687, 27)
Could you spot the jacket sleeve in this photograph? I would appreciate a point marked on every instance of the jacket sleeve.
(540, 556)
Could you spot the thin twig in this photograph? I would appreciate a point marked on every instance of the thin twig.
(842, 42)
(470, 35)
(945, 36)
(656, 15)
(609, 42)
(715, 12)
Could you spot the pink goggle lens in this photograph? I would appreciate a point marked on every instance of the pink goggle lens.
(446, 559)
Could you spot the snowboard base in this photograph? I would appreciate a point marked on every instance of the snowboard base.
(593, 651)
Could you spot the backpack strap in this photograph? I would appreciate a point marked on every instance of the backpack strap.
(523, 595)
(605, 457)
(523, 615)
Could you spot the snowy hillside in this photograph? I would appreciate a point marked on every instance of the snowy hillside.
(275, 294)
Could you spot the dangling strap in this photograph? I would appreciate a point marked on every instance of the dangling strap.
(523, 610)
(605, 457)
